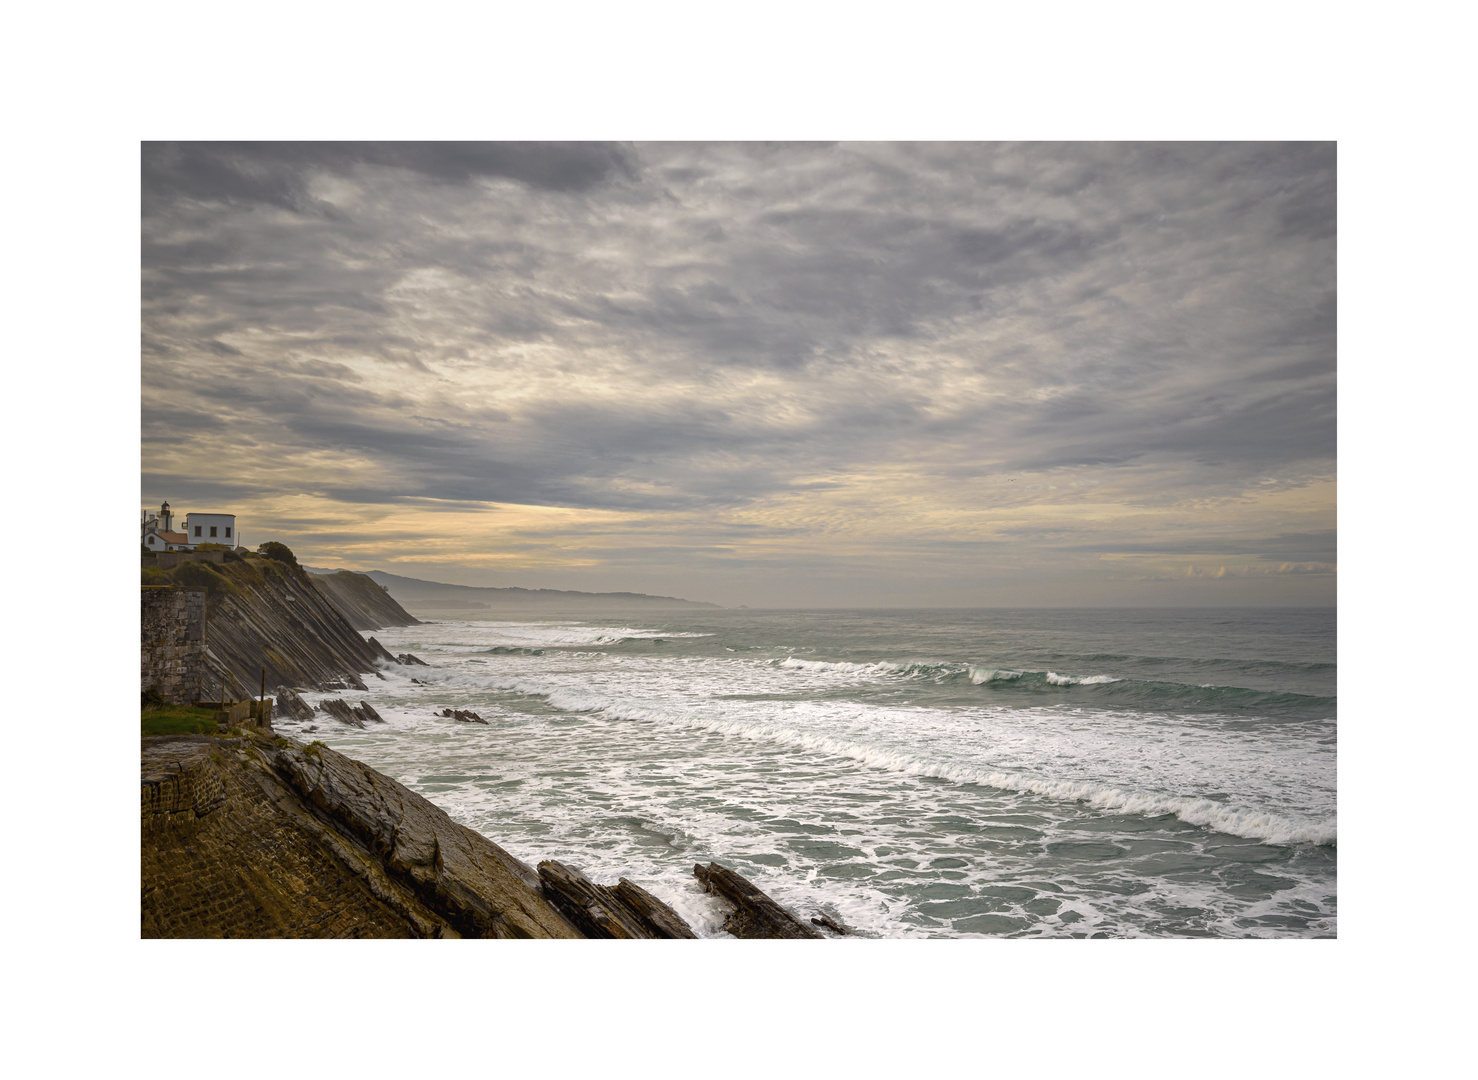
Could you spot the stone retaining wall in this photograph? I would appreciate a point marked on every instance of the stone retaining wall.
(167, 560)
(172, 642)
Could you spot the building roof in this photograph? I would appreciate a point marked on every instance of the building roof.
(171, 537)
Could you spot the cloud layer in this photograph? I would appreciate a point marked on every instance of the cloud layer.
(871, 373)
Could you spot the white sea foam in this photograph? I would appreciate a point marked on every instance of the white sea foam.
(638, 762)
(982, 675)
(880, 667)
(842, 667)
(1248, 822)
(1079, 680)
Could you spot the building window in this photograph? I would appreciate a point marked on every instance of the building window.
(197, 530)
(228, 532)
(212, 530)
(151, 539)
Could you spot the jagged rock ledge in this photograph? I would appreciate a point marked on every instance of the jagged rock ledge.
(260, 836)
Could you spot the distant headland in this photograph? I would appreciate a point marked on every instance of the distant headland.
(432, 597)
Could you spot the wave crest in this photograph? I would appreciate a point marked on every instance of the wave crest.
(1251, 824)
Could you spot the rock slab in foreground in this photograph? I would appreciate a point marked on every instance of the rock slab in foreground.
(289, 703)
(263, 837)
(599, 911)
(755, 914)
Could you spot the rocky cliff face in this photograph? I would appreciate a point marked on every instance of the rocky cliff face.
(363, 603)
(260, 613)
(262, 837)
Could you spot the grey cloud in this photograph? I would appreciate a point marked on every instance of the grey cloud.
(182, 488)
(275, 173)
(1285, 547)
(987, 308)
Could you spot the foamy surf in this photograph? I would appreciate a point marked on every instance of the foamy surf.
(909, 775)
(1250, 823)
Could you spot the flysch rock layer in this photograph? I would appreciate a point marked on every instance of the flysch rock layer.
(366, 604)
(261, 614)
(263, 837)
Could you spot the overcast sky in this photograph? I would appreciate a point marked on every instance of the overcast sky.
(774, 375)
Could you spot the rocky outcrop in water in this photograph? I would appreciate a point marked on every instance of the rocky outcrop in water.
(467, 716)
(353, 715)
(363, 603)
(289, 704)
(599, 911)
(262, 837)
(755, 915)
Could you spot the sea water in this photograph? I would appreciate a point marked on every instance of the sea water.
(1062, 773)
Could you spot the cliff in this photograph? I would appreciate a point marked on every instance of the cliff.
(259, 836)
(262, 612)
(364, 604)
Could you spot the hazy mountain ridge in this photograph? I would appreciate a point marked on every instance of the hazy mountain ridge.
(439, 596)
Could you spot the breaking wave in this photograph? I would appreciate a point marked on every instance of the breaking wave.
(1249, 823)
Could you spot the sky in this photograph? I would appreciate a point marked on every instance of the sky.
(795, 375)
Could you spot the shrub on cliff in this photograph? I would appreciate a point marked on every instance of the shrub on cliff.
(279, 552)
(202, 575)
(229, 554)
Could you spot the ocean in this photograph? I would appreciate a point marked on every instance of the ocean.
(937, 774)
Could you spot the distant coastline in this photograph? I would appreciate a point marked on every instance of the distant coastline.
(419, 596)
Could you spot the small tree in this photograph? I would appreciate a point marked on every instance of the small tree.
(279, 552)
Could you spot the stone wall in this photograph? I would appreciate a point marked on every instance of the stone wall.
(168, 560)
(172, 639)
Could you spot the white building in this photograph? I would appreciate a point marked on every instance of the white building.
(158, 531)
(210, 529)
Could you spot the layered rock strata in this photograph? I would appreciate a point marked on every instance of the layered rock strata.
(755, 915)
(265, 614)
(599, 911)
(262, 837)
(365, 604)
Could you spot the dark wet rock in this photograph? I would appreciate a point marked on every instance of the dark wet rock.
(661, 919)
(289, 704)
(598, 911)
(824, 920)
(467, 716)
(381, 653)
(367, 712)
(755, 915)
(341, 711)
(407, 658)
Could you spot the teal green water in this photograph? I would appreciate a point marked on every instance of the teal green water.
(910, 773)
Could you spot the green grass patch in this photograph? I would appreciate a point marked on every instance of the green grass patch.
(179, 720)
(152, 575)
